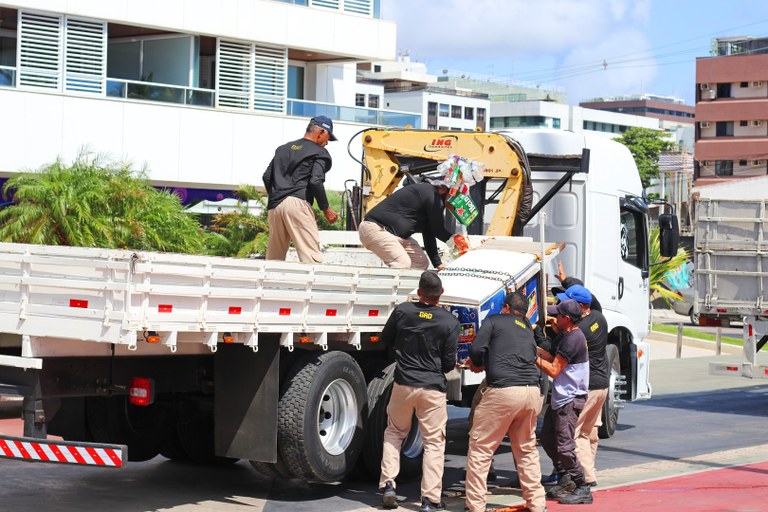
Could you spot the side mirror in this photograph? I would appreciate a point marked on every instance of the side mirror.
(669, 235)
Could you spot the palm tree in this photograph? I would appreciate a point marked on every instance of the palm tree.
(660, 269)
(95, 202)
(239, 233)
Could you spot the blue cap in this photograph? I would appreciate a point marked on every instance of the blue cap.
(577, 293)
(325, 123)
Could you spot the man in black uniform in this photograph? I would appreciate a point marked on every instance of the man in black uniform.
(294, 180)
(510, 404)
(387, 229)
(425, 337)
(595, 328)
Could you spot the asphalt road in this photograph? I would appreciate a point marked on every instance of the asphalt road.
(695, 421)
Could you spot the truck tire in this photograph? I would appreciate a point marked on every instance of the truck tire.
(114, 420)
(610, 414)
(275, 470)
(319, 416)
(411, 454)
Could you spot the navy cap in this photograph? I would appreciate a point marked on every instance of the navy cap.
(577, 293)
(568, 307)
(325, 123)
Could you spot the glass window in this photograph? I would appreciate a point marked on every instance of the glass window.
(7, 50)
(124, 60)
(724, 90)
(724, 168)
(743, 123)
(480, 118)
(444, 110)
(296, 82)
(724, 129)
(556, 123)
(744, 84)
(742, 163)
(359, 100)
(456, 111)
(469, 113)
(633, 242)
(373, 101)
(432, 108)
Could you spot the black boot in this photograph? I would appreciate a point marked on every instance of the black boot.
(581, 495)
(390, 496)
(566, 486)
(428, 506)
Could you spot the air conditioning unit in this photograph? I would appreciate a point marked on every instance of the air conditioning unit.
(712, 94)
(705, 124)
(756, 123)
(704, 87)
(758, 83)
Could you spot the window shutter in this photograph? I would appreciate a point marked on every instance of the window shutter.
(233, 79)
(364, 7)
(40, 49)
(330, 4)
(269, 78)
(85, 63)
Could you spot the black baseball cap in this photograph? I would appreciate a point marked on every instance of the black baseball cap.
(568, 308)
(325, 123)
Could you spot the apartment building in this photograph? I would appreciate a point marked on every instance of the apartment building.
(406, 86)
(675, 116)
(201, 92)
(732, 111)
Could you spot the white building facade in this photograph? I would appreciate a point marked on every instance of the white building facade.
(201, 92)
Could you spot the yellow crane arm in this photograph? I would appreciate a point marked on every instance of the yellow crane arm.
(385, 152)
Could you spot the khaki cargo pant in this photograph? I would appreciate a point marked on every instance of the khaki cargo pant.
(431, 410)
(293, 219)
(394, 251)
(511, 411)
(586, 432)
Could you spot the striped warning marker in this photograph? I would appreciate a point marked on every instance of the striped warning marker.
(62, 452)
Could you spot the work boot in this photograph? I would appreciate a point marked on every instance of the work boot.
(551, 479)
(390, 496)
(428, 506)
(581, 495)
(566, 486)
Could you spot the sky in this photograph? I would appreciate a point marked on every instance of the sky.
(591, 48)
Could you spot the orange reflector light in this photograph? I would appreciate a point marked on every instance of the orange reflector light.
(153, 337)
(165, 308)
(78, 303)
(373, 312)
(228, 338)
(235, 310)
(305, 339)
(374, 339)
(640, 352)
(142, 391)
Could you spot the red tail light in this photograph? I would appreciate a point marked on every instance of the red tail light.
(142, 391)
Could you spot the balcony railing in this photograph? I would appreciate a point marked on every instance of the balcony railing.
(149, 91)
(364, 7)
(7, 76)
(369, 116)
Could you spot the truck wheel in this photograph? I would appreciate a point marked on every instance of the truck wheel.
(610, 407)
(115, 420)
(319, 416)
(272, 470)
(171, 448)
(379, 392)
(693, 317)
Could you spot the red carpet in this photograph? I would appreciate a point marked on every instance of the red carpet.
(736, 489)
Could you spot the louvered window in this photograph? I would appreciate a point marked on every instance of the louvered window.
(84, 61)
(330, 4)
(40, 50)
(251, 76)
(61, 53)
(359, 7)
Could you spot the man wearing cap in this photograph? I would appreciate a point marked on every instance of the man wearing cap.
(595, 329)
(424, 337)
(388, 228)
(294, 180)
(569, 369)
(510, 403)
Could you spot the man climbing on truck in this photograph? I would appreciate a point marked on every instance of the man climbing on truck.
(387, 230)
